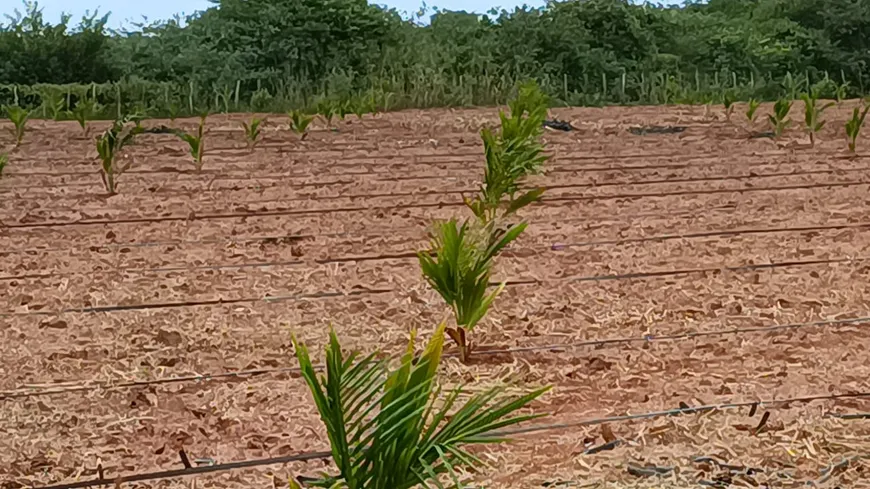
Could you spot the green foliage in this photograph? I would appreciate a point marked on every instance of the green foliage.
(19, 118)
(390, 427)
(84, 111)
(751, 109)
(779, 120)
(195, 142)
(252, 131)
(813, 115)
(109, 146)
(854, 125)
(271, 55)
(299, 122)
(4, 160)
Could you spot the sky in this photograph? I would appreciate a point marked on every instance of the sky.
(126, 11)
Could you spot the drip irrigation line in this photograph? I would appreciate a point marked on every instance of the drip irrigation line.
(386, 231)
(459, 159)
(551, 348)
(772, 403)
(413, 254)
(281, 180)
(468, 190)
(508, 283)
(337, 210)
(424, 159)
(302, 457)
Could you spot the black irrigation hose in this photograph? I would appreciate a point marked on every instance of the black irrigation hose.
(380, 233)
(299, 212)
(282, 179)
(109, 386)
(516, 282)
(166, 474)
(413, 254)
(464, 191)
(477, 153)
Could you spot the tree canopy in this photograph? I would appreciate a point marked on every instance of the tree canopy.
(582, 51)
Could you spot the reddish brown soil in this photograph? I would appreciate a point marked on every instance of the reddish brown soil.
(184, 274)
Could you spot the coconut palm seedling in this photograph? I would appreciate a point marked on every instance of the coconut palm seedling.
(779, 120)
(512, 155)
(195, 142)
(388, 425)
(459, 267)
(342, 109)
(252, 131)
(109, 147)
(728, 102)
(53, 103)
(19, 118)
(85, 111)
(299, 122)
(854, 125)
(326, 109)
(751, 109)
(813, 115)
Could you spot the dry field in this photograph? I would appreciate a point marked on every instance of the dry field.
(111, 307)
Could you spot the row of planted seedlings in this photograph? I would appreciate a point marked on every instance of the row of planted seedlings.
(389, 424)
(123, 131)
(813, 120)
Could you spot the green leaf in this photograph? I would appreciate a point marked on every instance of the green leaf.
(529, 197)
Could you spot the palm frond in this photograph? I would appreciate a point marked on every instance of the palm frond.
(389, 428)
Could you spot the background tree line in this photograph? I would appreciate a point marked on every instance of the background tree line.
(279, 54)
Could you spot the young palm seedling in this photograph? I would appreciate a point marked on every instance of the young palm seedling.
(85, 111)
(326, 109)
(458, 265)
(728, 101)
(854, 125)
(195, 142)
(751, 110)
(459, 269)
(360, 108)
(779, 120)
(299, 122)
(342, 109)
(388, 425)
(252, 131)
(19, 118)
(813, 115)
(109, 146)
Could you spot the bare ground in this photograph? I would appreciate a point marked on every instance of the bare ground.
(186, 274)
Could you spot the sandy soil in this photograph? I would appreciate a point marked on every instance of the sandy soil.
(183, 274)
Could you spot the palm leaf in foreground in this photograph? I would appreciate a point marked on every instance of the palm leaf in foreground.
(391, 429)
